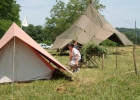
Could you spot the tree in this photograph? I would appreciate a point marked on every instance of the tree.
(9, 12)
(37, 33)
(63, 16)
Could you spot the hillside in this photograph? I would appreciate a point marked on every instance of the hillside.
(132, 34)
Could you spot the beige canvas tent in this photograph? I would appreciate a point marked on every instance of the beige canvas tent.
(22, 59)
(90, 26)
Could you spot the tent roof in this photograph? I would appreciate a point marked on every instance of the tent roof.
(16, 31)
(91, 26)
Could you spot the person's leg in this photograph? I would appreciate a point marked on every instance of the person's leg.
(72, 64)
(77, 68)
(74, 69)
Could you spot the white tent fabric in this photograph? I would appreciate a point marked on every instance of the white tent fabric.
(22, 59)
(16, 31)
(27, 63)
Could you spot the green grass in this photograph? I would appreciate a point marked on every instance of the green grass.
(90, 83)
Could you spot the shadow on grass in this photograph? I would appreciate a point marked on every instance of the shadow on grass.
(58, 74)
(60, 54)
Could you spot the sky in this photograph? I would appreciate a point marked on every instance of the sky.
(119, 13)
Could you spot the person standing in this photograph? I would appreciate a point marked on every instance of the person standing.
(74, 57)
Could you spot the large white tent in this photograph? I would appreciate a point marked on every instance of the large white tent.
(22, 59)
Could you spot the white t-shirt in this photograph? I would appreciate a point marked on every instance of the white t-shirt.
(74, 53)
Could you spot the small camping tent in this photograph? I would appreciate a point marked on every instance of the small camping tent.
(90, 26)
(22, 59)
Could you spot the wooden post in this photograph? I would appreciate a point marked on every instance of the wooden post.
(135, 34)
(103, 62)
(90, 1)
(116, 57)
(134, 57)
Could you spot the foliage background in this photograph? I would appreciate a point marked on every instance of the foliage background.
(9, 12)
(62, 17)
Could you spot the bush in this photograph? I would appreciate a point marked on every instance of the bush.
(91, 49)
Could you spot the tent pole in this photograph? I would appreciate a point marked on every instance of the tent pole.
(14, 59)
(13, 66)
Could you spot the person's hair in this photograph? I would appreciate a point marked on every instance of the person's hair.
(74, 41)
(71, 45)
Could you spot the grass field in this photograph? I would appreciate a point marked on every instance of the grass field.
(90, 83)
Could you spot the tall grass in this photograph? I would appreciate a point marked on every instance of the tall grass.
(90, 83)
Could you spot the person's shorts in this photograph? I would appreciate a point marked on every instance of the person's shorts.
(72, 63)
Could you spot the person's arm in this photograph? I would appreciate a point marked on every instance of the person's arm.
(77, 58)
(70, 55)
